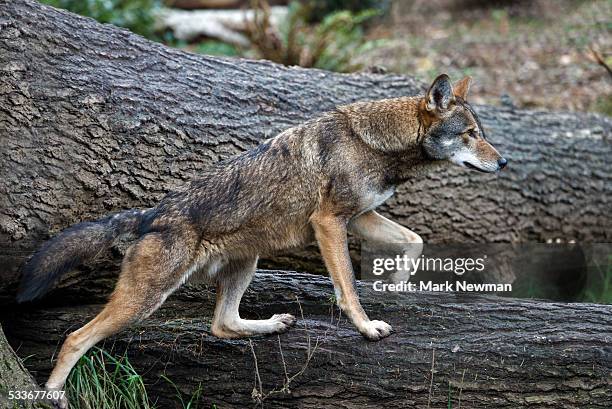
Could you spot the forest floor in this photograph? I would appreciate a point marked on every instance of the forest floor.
(531, 54)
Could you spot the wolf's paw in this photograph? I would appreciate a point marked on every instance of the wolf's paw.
(60, 403)
(58, 397)
(376, 330)
(282, 322)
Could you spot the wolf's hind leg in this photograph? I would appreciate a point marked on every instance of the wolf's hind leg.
(151, 270)
(232, 282)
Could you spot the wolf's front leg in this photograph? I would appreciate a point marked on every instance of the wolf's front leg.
(330, 232)
(397, 238)
(232, 281)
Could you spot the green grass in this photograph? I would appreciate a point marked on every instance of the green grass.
(101, 380)
(194, 400)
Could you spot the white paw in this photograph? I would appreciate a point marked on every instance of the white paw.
(375, 330)
(59, 403)
(282, 322)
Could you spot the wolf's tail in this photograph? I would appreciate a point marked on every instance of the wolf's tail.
(74, 246)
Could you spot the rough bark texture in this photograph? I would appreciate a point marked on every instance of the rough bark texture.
(94, 119)
(14, 377)
(485, 351)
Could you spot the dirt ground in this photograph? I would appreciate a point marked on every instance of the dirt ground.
(531, 54)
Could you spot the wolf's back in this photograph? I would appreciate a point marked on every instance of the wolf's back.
(72, 247)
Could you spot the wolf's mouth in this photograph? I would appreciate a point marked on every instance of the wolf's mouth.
(469, 165)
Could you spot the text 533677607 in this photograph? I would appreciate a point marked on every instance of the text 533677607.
(35, 395)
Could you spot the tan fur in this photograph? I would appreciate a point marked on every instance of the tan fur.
(375, 228)
(462, 87)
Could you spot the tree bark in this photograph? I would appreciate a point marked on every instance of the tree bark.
(14, 377)
(94, 119)
(482, 351)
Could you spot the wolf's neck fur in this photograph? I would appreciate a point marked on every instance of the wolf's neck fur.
(394, 128)
(388, 125)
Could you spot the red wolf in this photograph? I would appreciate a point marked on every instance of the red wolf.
(315, 181)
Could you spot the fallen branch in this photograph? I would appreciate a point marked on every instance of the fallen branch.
(596, 55)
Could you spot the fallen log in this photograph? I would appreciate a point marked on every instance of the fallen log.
(95, 119)
(223, 25)
(473, 351)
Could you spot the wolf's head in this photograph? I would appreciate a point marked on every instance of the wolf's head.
(454, 132)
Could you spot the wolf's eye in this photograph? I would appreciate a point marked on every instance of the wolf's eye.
(473, 133)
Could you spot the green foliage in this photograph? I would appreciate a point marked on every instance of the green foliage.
(604, 105)
(341, 36)
(499, 15)
(135, 15)
(213, 47)
(100, 380)
(330, 45)
(317, 10)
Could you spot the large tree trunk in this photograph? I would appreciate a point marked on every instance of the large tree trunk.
(95, 119)
(482, 351)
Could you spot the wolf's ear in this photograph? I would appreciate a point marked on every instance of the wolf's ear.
(462, 87)
(440, 94)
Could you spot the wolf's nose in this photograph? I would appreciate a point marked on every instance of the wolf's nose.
(502, 162)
